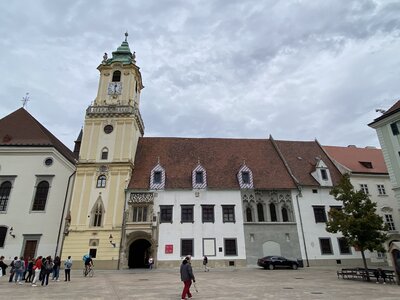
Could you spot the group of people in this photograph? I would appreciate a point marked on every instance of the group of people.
(32, 270)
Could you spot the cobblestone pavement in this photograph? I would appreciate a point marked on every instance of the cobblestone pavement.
(246, 283)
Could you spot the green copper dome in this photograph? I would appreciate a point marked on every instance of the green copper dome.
(123, 54)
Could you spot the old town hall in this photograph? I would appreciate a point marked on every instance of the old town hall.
(123, 197)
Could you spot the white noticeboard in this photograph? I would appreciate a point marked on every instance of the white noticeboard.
(209, 247)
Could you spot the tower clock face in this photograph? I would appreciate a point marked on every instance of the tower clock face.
(114, 88)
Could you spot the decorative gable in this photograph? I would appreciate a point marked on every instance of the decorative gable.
(245, 177)
(199, 177)
(157, 178)
(322, 174)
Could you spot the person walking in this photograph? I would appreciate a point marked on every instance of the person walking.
(67, 268)
(205, 262)
(187, 277)
(19, 266)
(37, 268)
(3, 266)
(56, 268)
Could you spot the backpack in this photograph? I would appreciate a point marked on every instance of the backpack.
(68, 264)
(49, 266)
(18, 264)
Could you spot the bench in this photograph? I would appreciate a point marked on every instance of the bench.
(360, 273)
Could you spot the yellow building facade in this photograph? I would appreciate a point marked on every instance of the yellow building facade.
(112, 127)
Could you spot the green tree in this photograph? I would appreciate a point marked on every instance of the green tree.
(357, 219)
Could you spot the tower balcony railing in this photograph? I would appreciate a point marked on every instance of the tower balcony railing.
(94, 111)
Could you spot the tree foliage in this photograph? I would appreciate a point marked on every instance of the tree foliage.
(357, 219)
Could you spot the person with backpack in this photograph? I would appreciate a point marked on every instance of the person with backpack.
(47, 269)
(12, 270)
(19, 266)
(67, 268)
(56, 268)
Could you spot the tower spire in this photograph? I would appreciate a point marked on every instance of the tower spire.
(126, 36)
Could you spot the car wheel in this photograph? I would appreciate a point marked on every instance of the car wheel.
(271, 267)
(294, 266)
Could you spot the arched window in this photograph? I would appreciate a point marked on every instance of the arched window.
(101, 181)
(273, 212)
(260, 212)
(3, 232)
(42, 190)
(104, 153)
(5, 189)
(249, 215)
(116, 76)
(285, 215)
(97, 214)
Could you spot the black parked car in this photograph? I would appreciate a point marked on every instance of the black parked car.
(272, 262)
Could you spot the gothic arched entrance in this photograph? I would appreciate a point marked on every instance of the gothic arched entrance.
(139, 252)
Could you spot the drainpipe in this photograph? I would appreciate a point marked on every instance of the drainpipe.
(62, 215)
(301, 227)
(123, 231)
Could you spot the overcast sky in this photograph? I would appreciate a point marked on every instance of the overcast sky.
(297, 70)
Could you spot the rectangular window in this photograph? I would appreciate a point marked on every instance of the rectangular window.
(104, 155)
(324, 174)
(343, 246)
(319, 214)
(157, 177)
(246, 177)
(139, 214)
(230, 247)
(325, 244)
(187, 247)
(199, 177)
(389, 222)
(364, 188)
(3, 233)
(228, 213)
(187, 213)
(93, 252)
(165, 213)
(395, 129)
(381, 189)
(207, 213)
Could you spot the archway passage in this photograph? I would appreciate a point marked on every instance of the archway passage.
(139, 252)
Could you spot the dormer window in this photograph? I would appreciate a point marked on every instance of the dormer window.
(324, 174)
(199, 177)
(116, 76)
(157, 178)
(366, 164)
(245, 177)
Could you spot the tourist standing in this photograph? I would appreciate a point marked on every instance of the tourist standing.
(67, 267)
(151, 263)
(37, 268)
(29, 269)
(12, 270)
(19, 266)
(47, 269)
(205, 262)
(3, 266)
(56, 268)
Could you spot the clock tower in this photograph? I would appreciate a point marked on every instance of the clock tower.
(110, 135)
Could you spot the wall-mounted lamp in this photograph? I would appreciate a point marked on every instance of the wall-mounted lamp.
(11, 232)
(111, 240)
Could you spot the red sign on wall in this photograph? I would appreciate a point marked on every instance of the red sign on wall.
(169, 249)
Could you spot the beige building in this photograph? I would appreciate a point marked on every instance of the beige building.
(111, 131)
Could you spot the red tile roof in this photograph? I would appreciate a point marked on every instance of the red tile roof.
(22, 129)
(222, 159)
(350, 157)
(302, 158)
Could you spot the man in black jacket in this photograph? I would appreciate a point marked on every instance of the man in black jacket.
(187, 277)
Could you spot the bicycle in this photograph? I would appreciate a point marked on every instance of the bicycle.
(88, 271)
